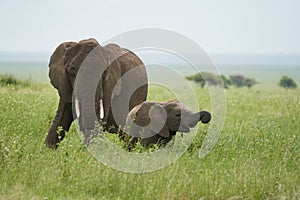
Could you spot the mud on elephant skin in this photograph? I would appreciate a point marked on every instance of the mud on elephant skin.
(63, 68)
(158, 122)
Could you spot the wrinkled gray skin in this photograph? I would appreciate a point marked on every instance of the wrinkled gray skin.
(158, 122)
(63, 67)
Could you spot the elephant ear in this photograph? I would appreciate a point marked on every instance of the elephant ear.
(57, 71)
(158, 123)
(140, 114)
(75, 56)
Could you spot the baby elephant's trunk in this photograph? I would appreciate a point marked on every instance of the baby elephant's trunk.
(204, 116)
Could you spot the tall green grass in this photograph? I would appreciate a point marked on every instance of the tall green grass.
(257, 155)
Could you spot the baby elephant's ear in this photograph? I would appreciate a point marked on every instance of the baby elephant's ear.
(158, 117)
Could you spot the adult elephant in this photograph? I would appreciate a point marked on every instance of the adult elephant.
(114, 61)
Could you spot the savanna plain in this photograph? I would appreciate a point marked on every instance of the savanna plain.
(257, 155)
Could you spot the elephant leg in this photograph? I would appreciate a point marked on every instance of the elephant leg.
(131, 143)
(113, 118)
(109, 122)
(63, 119)
(107, 113)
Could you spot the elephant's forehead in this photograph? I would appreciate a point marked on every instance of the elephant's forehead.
(174, 106)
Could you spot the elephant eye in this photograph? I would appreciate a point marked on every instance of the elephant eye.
(72, 68)
(178, 115)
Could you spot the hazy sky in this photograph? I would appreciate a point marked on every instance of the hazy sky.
(219, 26)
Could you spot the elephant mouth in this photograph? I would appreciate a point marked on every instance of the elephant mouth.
(184, 129)
(193, 124)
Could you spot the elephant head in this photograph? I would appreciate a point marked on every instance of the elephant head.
(158, 122)
(113, 61)
(64, 64)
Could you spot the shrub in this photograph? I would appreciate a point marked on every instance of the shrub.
(209, 79)
(240, 81)
(227, 82)
(221, 80)
(249, 82)
(287, 83)
(197, 78)
(8, 79)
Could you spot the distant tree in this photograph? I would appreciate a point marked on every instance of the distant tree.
(240, 81)
(197, 78)
(209, 79)
(287, 82)
(212, 79)
(227, 82)
(249, 82)
(237, 80)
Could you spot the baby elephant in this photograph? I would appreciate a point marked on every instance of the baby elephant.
(158, 122)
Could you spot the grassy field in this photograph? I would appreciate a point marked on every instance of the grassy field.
(257, 155)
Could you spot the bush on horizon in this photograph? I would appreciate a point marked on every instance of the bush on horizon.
(9, 79)
(221, 80)
(287, 83)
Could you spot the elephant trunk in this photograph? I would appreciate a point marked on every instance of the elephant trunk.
(204, 116)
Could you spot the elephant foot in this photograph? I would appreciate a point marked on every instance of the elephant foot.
(112, 129)
(131, 143)
(53, 139)
(122, 136)
(51, 144)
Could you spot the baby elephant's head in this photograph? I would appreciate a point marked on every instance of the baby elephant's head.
(157, 121)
